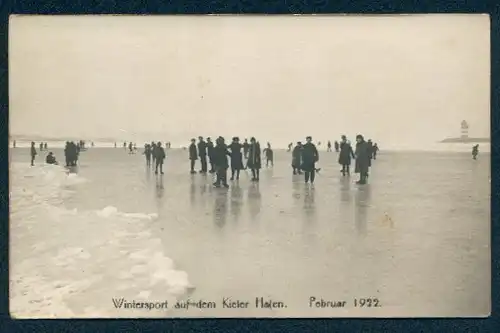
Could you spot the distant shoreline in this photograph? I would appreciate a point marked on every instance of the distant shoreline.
(465, 140)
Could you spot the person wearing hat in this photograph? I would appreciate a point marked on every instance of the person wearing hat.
(310, 156)
(254, 160)
(193, 154)
(297, 158)
(363, 155)
(236, 158)
(221, 164)
(202, 153)
(210, 153)
(345, 155)
(246, 146)
(160, 157)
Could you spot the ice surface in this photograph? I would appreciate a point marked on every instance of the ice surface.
(417, 236)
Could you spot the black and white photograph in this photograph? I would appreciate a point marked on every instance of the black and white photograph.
(249, 166)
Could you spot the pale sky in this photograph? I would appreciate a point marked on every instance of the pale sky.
(397, 79)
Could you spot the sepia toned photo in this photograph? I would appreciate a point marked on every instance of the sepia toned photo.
(249, 166)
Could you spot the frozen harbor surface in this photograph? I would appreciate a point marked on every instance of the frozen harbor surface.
(417, 237)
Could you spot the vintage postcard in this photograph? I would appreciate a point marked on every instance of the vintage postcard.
(249, 166)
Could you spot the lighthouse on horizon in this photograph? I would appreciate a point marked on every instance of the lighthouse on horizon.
(464, 136)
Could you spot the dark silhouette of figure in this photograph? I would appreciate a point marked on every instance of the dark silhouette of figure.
(41, 146)
(297, 158)
(210, 153)
(71, 153)
(115, 144)
(14, 144)
(345, 156)
(33, 153)
(290, 145)
(268, 152)
(124, 145)
(67, 154)
(92, 143)
(50, 159)
(363, 156)
(202, 153)
(370, 149)
(220, 158)
(148, 152)
(246, 147)
(75, 152)
(337, 146)
(193, 154)
(236, 158)
(310, 156)
(374, 151)
(45, 146)
(329, 146)
(254, 161)
(475, 151)
(160, 157)
(153, 153)
(130, 148)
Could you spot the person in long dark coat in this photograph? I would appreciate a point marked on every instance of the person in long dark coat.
(73, 151)
(236, 158)
(210, 153)
(153, 153)
(147, 153)
(220, 158)
(297, 158)
(254, 162)
(202, 153)
(160, 157)
(67, 154)
(193, 154)
(310, 156)
(363, 153)
(345, 156)
(33, 153)
(246, 147)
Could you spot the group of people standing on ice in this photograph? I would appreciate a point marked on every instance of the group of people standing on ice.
(304, 157)
(155, 152)
(217, 156)
(72, 152)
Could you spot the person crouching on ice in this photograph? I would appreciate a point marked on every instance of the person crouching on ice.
(50, 159)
